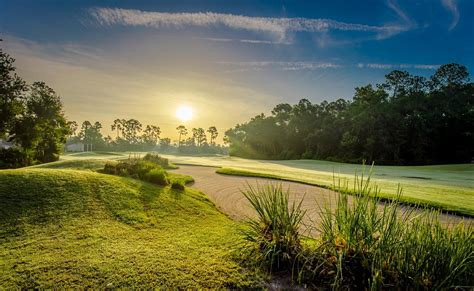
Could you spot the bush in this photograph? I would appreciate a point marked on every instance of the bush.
(157, 176)
(155, 158)
(178, 185)
(14, 158)
(133, 168)
(110, 168)
(138, 169)
(273, 237)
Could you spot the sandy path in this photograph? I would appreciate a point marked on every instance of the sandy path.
(225, 191)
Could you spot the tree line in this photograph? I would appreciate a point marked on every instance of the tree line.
(406, 120)
(132, 135)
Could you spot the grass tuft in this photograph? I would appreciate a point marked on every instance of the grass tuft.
(273, 236)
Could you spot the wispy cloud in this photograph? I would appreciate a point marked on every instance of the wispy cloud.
(232, 67)
(393, 4)
(452, 7)
(278, 66)
(279, 27)
(252, 41)
(397, 66)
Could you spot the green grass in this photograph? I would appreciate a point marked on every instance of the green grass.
(74, 228)
(447, 187)
(74, 164)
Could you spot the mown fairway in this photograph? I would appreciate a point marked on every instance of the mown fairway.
(75, 228)
(450, 187)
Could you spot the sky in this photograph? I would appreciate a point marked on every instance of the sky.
(226, 60)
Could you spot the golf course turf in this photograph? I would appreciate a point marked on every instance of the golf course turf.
(75, 228)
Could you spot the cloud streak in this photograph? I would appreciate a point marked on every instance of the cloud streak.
(279, 27)
(278, 66)
(452, 7)
(393, 4)
(251, 41)
(397, 66)
(311, 66)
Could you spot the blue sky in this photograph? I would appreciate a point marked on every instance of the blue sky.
(228, 60)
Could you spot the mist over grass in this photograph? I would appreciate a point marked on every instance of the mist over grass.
(447, 187)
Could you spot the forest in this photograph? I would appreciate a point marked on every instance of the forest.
(406, 120)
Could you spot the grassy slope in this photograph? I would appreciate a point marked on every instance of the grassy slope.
(74, 228)
(450, 187)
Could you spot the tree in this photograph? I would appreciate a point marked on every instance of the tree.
(213, 134)
(12, 91)
(72, 127)
(118, 126)
(282, 113)
(449, 74)
(131, 130)
(43, 128)
(90, 134)
(199, 136)
(182, 131)
(165, 144)
(151, 134)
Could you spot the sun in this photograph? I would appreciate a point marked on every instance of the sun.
(184, 113)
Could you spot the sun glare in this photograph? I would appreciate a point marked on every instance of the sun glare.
(184, 113)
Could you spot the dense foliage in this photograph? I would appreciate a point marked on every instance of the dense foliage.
(406, 120)
(31, 116)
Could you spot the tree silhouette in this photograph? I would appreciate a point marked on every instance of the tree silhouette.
(118, 126)
(151, 134)
(182, 131)
(213, 134)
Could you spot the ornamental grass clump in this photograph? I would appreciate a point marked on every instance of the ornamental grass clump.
(368, 243)
(273, 236)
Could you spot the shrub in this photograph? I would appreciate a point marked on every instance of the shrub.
(14, 158)
(273, 236)
(110, 168)
(155, 158)
(133, 168)
(138, 169)
(157, 176)
(178, 185)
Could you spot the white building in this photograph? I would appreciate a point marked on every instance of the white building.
(75, 147)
